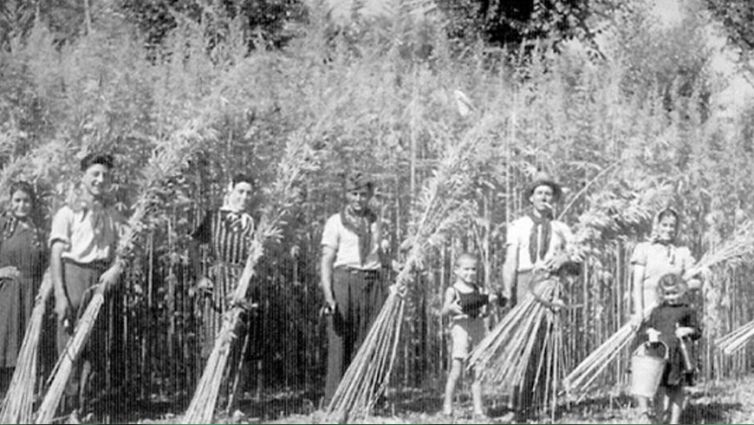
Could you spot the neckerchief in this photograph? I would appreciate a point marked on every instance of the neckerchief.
(96, 208)
(539, 238)
(361, 224)
(10, 222)
(235, 219)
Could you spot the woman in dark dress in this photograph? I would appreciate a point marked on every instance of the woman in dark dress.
(22, 263)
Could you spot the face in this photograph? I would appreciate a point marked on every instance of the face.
(358, 199)
(542, 198)
(240, 196)
(466, 270)
(96, 180)
(666, 228)
(20, 204)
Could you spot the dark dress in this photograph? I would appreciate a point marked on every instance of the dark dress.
(666, 318)
(21, 246)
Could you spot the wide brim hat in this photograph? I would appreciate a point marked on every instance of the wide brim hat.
(358, 180)
(544, 179)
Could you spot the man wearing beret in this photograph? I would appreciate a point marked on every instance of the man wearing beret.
(534, 242)
(351, 278)
(82, 241)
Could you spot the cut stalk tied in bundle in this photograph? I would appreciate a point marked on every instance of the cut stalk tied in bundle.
(505, 354)
(441, 209)
(168, 159)
(584, 375)
(734, 341)
(19, 399)
(296, 162)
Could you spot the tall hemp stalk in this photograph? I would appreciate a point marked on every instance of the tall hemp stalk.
(167, 160)
(442, 207)
(283, 194)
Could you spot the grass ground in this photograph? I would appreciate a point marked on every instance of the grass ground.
(729, 401)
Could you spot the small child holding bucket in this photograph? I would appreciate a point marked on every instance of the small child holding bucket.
(671, 324)
(464, 302)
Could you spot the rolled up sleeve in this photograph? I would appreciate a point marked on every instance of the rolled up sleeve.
(61, 227)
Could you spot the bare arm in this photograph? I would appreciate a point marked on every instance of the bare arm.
(328, 258)
(638, 289)
(56, 273)
(509, 270)
(450, 304)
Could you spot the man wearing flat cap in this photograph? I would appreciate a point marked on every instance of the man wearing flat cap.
(535, 243)
(351, 277)
(82, 241)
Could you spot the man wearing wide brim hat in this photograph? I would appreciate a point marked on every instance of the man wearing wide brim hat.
(535, 243)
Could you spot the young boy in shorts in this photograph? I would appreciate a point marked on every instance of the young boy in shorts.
(464, 303)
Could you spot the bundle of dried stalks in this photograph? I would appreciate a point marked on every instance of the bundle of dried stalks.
(19, 399)
(505, 354)
(584, 375)
(443, 206)
(168, 159)
(283, 195)
(739, 244)
(732, 342)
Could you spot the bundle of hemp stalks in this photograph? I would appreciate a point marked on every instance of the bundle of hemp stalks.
(168, 159)
(739, 245)
(732, 342)
(442, 208)
(505, 354)
(19, 399)
(296, 162)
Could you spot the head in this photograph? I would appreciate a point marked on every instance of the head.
(97, 169)
(466, 268)
(665, 226)
(543, 193)
(671, 288)
(241, 192)
(22, 199)
(359, 190)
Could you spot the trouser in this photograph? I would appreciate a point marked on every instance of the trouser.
(359, 296)
(531, 392)
(78, 282)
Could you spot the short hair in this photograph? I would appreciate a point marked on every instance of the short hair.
(671, 282)
(242, 178)
(97, 158)
(25, 187)
(358, 180)
(466, 256)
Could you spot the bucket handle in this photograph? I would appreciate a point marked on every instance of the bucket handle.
(644, 346)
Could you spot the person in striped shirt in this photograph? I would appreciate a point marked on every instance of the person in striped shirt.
(227, 232)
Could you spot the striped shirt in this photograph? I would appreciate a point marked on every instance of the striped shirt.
(228, 234)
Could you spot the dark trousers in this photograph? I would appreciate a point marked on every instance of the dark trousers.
(77, 281)
(359, 296)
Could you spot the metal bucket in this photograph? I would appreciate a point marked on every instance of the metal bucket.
(646, 371)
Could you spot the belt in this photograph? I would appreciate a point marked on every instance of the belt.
(96, 264)
(357, 271)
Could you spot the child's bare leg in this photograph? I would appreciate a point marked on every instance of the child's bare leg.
(643, 403)
(450, 386)
(661, 403)
(677, 399)
(476, 394)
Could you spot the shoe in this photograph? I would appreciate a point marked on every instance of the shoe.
(73, 418)
(480, 417)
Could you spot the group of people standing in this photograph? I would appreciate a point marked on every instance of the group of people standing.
(81, 253)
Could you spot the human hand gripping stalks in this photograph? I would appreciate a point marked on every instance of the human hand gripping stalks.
(442, 207)
(168, 159)
(296, 162)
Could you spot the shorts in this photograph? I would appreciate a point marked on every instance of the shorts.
(465, 333)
